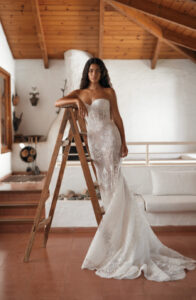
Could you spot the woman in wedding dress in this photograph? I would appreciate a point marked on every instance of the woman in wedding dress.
(124, 245)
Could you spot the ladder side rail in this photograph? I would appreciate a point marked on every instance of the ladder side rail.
(83, 129)
(44, 193)
(85, 168)
(58, 185)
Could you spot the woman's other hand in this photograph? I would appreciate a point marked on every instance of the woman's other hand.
(124, 150)
(82, 110)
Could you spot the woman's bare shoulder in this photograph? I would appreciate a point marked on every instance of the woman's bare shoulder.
(110, 90)
(83, 94)
(111, 94)
(74, 93)
(77, 93)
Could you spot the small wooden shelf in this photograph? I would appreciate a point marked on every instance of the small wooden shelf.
(20, 138)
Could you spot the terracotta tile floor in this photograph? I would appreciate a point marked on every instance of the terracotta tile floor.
(54, 273)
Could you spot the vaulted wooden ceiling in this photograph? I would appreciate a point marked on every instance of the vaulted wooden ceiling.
(123, 29)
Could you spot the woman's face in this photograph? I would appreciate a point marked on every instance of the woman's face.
(94, 73)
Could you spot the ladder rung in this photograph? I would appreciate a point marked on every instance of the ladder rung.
(72, 154)
(76, 154)
(72, 144)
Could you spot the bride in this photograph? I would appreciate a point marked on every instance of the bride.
(124, 245)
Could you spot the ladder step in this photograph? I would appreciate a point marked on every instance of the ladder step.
(88, 158)
(73, 144)
(66, 141)
(76, 154)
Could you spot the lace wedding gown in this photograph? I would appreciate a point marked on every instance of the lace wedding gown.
(124, 244)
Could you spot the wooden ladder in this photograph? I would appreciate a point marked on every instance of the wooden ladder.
(75, 132)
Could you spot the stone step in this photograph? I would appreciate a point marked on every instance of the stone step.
(18, 196)
(16, 204)
(18, 208)
(16, 219)
(16, 223)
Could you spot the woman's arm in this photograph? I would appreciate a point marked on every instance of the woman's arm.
(73, 98)
(118, 121)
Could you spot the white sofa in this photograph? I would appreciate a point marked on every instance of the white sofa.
(165, 205)
(166, 210)
(161, 210)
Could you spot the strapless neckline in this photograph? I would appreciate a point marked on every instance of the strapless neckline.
(96, 100)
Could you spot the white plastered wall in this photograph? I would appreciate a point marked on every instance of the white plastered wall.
(8, 64)
(156, 105)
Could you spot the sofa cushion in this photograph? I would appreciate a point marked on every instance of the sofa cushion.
(190, 156)
(170, 203)
(173, 182)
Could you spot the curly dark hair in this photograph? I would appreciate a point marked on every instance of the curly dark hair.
(104, 79)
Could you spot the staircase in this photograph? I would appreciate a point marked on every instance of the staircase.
(18, 204)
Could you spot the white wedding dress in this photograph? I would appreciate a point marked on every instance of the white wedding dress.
(124, 244)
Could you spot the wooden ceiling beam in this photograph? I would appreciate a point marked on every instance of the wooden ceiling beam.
(158, 11)
(156, 54)
(186, 52)
(40, 32)
(137, 17)
(101, 27)
(150, 26)
(180, 39)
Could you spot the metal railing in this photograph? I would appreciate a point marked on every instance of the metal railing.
(163, 161)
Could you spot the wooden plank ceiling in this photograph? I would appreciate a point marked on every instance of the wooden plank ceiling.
(122, 29)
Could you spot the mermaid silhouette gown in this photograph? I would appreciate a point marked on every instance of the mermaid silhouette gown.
(124, 244)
